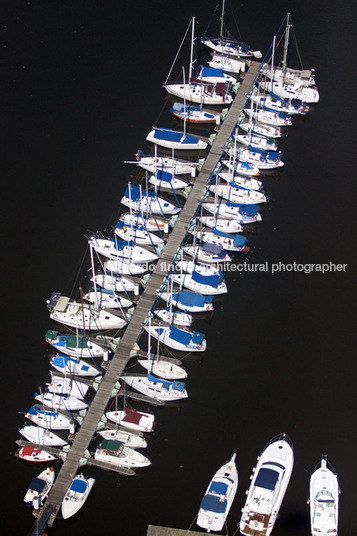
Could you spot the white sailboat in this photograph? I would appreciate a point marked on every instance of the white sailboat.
(121, 250)
(67, 386)
(76, 495)
(61, 402)
(207, 285)
(107, 298)
(41, 436)
(73, 345)
(157, 388)
(51, 420)
(239, 195)
(225, 226)
(219, 496)
(72, 366)
(171, 165)
(324, 499)
(188, 301)
(227, 63)
(34, 454)
(138, 234)
(147, 203)
(178, 339)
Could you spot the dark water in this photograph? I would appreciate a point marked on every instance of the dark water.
(83, 87)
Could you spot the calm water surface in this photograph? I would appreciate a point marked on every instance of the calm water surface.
(83, 88)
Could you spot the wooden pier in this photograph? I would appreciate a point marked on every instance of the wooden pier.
(133, 331)
(154, 530)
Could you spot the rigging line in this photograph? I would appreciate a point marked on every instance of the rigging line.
(235, 21)
(79, 271)
(178, 52)
(210, 21)
(297, 48)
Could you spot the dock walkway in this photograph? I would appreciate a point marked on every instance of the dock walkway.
(133, 331)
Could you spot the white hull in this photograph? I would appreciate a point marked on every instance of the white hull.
(163, 369)
(238, 195)
(107, 301)
(258, 142)
(168, 297)
(76, 495)
(40, 488)
(196, 93)
(50, 420)
(182, 144)
(114, 283)
(174, 317)
(133, 441)
(293, 91)
(152, 205)
(205, 256)
(125, 457)
(132, 254)
(269, 118)
(86, 317)
(152, 163)
(230, 48)
(223, 241)
(290, 76)
(174, 185)
(40, 436)
(186, 281)
(190, 266)
(225, 226)
(67, 386)
(156, 390)
(133, 420)
(139, 236)
(270, 480)
(228, 64)
(59, 342)
(243, 182)
(162, 334)
(124, 268)
(73, 367)
(34, 455)
(324, 498)
(231, 213)
(61, 403)
(219, 497)
(261, 130)
(275, 104)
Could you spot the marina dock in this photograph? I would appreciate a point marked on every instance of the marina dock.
(133, 331)
(167, 531)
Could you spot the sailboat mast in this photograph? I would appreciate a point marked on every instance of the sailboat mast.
(191, 54)
(286, 43)
(272, 63)
(222, 23)
(93, 273)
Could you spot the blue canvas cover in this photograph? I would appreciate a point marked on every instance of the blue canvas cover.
(191, 298)
(218, 487)
(266, 478)
(180, 107)
(179, 335)
(246, 165)
(164, 175)
(212, 280)
(213, 503)
(197, 337)
(132, 191)
(239, 240)
(221, 233)
(209, 71)
(176, 385)
(79, 486)
(119, 245)
(34, 410)
(168, 135)
(38, 485)
(214, 248)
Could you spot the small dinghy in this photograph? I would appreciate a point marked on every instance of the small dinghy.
(51, 420)
(127, 438)
(76, 495)
(178, 339)
(188, 301)
(116, 453)
(133, 420)
(219, 496)
(40, 436)
(324, 498)
(157, 388)
(73, 367)
(39, 488)
(61, 402)
(34, 454)
(73, 345)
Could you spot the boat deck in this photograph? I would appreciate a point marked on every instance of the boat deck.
(146, 302)
(260, 521)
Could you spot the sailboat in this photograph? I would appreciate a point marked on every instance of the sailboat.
(178, 339)
(231, 243)
(137, 233)
(270, 480)
(174, 139)
(225, 226)
(76, 495)
(194, 114)
(264, 130)
(163, 368)
(324, 498)
(81, 315)
(157, 388)
(51, 420)
(67, 386)
(107, 298)
(188, 301)
(227, 46)
(34, 454)
(203, 93)
(236, 194)
(63, 403)
(210, 285)
(243, 214)
(71, 366)
(227, 63)
(147, 202)
(121, 250)
(171, 165)
(74, 345)
(41, 436)
(219, 496)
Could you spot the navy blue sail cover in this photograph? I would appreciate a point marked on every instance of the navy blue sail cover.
(38, 485)
(179, 335)
(213, 503)
(266, 478)
(213, 280)
(191, 298)
(79, 486)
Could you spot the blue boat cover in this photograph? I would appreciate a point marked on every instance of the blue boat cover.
(198, 337)
(208, 71)
(37, 484)
(176, 385)
(239, 240)
(179, 107)
(78, 485)
(214, 248)
(191, 298)
(266, 478)
(213, 503)
(169, 135)
(272, 155)
(246, 165)
(221, 233)
(133, 192)
(212, 280)
(164, 175)
(119, 245)
(179, 335)
(34, 410)
(218, 487)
